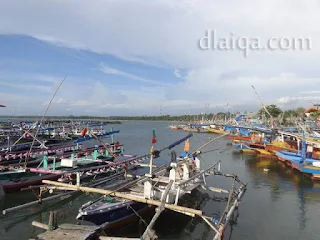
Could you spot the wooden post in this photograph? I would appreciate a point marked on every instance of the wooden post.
(150, 163)
(78, 178)
(52, 220)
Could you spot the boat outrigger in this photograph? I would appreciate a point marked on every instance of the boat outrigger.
(161, 187)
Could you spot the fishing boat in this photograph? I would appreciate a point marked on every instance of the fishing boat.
(16, 154)
(246, 147)
(265, 142)
(309, 166)
(238, 137)
(13, 178)
(306, 160)
(218, 129)
(163, 188)
(238, 133)
(199, 128)
(63, 171)
(177, 127)
(117, 211)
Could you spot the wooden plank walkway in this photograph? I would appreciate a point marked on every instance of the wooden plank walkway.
(75, 232)
(71, 232)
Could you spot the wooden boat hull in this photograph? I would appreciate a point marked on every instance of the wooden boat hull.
(267, 150)
(217, 131)
(199, 130)
(242, 147)
(295, 161)
(115, 217)
(316, 177)
(24, 180)
(279, 146)
(176, 128)
(263, 152)
(239, 138)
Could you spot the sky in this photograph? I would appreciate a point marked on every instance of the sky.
(138, 57)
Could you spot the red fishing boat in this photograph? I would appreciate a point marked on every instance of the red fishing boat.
(238, 137)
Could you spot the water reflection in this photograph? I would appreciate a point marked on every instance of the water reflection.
(280, 192)
(281, 179)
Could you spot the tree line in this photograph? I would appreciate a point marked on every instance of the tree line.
(282, 116)
(286, 116)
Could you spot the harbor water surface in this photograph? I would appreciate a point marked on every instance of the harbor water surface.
(278, 204)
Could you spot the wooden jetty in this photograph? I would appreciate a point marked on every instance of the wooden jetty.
(71, 231)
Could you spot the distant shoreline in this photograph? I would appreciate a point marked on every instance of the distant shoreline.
(107, 119)
(110, 119)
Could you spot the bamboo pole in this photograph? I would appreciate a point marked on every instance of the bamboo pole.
(38, 129)
(40, 225)
(92, 184)
(264, 107)
(29, 204)
(126, 196)
(207, 143)
(105, 146)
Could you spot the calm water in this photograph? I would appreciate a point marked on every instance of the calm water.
(279, 204)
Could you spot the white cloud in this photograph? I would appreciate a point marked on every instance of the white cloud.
(166, 33)
(59, 100)
(310, 92)
(26, 86)
(45, 78)
(290, 100)
(177, 73)
(113, 71)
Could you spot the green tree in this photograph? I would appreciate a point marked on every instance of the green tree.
(272, 109)
(300, 112)
(315, 115)
(289, 114)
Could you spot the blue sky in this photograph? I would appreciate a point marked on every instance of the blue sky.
(33, 68)
(130, 57)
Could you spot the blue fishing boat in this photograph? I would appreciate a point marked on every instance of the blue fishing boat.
(302, 161)
(115, 211)
(242, 146)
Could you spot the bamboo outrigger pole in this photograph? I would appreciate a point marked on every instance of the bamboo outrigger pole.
(185, 210)
(264, 107)
(45, 113)
(207, 143)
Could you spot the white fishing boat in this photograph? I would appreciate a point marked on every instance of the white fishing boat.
(162, 188)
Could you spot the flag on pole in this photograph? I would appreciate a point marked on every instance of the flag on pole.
(154, 138)
(187, 146)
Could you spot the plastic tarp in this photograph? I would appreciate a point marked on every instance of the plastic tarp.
(239, 117)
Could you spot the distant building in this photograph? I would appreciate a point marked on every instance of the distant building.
(308, 111)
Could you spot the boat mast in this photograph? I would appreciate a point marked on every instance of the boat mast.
(45, 113)
(264, 107)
